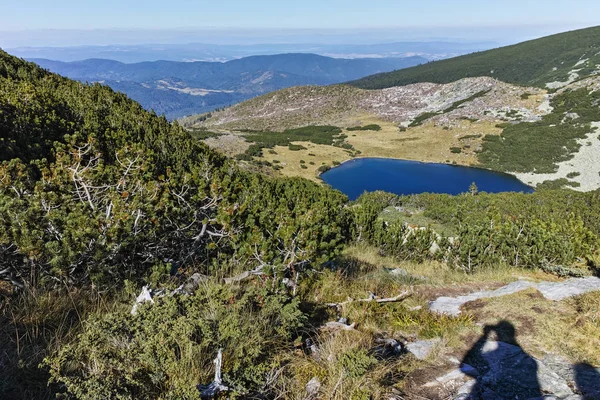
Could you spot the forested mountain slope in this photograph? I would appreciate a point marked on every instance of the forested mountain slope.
(94, 191)
(544, 63)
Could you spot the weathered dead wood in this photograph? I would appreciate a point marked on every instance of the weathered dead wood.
(216, 386)
(339, 325)
(373, 298)
(245, 275)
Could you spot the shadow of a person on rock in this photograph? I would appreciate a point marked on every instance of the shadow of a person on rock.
(587, 379)
(500, 366)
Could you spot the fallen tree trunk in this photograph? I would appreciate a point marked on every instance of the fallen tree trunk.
(373, 298)
(339, 325)
(244, 275)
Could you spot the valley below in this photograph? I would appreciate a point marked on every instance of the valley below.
(177, 89)
(458, 123)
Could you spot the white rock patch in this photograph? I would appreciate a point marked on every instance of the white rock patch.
(586, 162)
(554, 291)
(545, 107)
(573, 75)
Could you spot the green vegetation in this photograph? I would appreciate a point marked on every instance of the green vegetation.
(518, 230)
(532, 63)
(425, 116)
(467, 137)
(202, 134)
(315, 134)
(553, 137)
(326, 134)
(422, 118)
(371, 127)
(561, 183)
(97, 196)
(455, 150)
(296, 147)
(427, 325)
(171, 344)
(103, 191)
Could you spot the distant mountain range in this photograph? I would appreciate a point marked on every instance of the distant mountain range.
(433, 50)
(177, 89)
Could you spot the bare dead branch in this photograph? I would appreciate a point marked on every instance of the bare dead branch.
(373, 298)
(216, 386)
(245, 275)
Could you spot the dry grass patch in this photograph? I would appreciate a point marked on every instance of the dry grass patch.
(347, 366)
(441, 275)
(289, 160)
(33, 325)
(429, 142)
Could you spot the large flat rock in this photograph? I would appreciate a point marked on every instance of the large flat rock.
(555, 291)
(500, 370)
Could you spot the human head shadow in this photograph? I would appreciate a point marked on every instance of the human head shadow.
(587, 379)
(501, 368)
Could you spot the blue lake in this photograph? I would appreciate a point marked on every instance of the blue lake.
(412, 177)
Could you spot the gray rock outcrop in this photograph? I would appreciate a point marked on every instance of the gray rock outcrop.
(505, 371)
(421, 348)
(555, 291)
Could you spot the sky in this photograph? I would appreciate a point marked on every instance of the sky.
(131, 21)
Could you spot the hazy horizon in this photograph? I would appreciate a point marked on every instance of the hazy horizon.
(501, 35)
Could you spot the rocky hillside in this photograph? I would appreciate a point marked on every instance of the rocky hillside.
(475, 98)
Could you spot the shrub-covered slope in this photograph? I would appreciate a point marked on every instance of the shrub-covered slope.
(99, 197)
(94, 187)
(537, 62)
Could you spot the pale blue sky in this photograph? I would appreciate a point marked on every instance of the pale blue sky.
(169, 14)
(102, 22)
